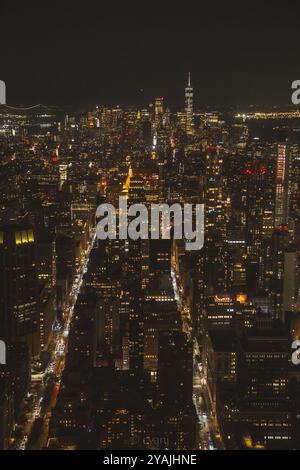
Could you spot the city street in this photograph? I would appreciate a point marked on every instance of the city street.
(208, 438)
(45, 385)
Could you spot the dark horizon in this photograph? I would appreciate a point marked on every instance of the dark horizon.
(129, 54)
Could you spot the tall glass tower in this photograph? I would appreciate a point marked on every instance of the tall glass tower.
(282, 185)
(189, 94)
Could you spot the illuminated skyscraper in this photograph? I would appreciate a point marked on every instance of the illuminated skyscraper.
(132, 283)
(18, 287)
(189, 94)
(159, 109)
(282, 185)
(63, 173)
(281, 233)
(215, 250)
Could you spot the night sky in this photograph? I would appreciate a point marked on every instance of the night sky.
(127, 52)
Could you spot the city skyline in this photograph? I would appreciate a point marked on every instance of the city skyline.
(149, 229)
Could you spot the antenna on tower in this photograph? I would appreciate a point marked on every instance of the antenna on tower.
(189, 79)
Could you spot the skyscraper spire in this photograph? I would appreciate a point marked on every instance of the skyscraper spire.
(189, 80)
